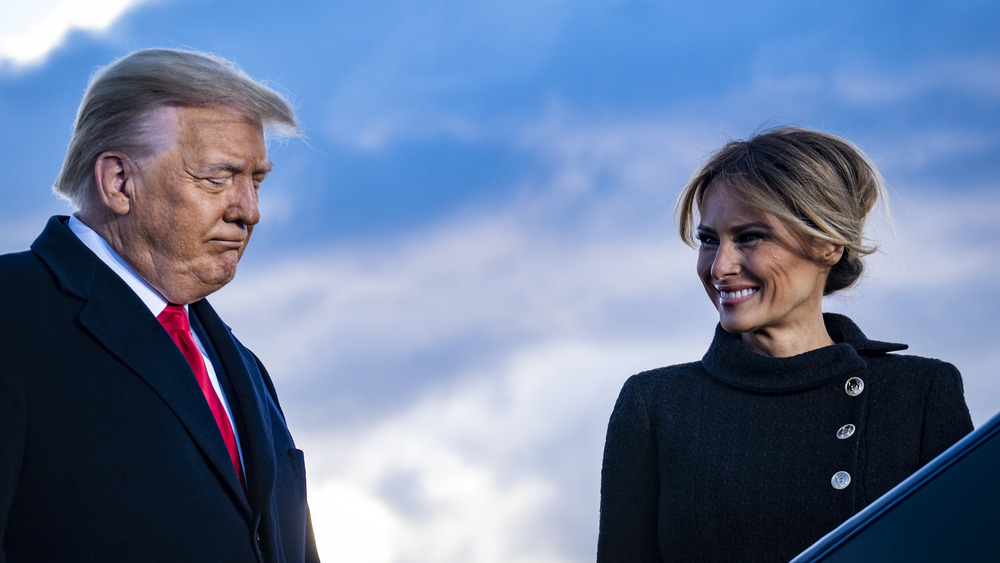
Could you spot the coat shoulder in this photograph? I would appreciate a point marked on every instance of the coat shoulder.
(24, 280)
(16, 266)
(666, 389)
(667, 377)
(907, 367)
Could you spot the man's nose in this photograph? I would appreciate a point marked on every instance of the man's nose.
(243, 204)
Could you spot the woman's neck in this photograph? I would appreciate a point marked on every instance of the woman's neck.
(783, 342)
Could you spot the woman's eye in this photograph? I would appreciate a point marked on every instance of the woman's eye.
(706, 239)
(751, 237)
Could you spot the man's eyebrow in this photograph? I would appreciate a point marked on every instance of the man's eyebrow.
(234, 168)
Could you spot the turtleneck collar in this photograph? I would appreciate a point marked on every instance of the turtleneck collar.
(733, 363)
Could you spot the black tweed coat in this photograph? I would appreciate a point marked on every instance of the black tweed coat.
(744, 457)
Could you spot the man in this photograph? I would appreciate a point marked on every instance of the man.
(133, 425)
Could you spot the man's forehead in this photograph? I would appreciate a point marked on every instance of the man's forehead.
(216, 117)
(217, 128)
(170, 118)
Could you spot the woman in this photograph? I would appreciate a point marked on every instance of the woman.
(793, 420)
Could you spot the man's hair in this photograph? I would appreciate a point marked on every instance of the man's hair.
(121, 98)
(820, 185)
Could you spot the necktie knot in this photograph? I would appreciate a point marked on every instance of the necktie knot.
(174, 318)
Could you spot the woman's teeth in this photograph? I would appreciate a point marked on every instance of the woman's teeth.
(727, 295)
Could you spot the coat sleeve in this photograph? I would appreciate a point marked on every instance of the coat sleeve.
(946, 415)
(630, 483)
(12, 437)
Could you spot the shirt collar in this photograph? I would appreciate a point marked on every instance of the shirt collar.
(96, 243)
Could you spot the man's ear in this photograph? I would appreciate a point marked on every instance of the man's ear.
(114, 174)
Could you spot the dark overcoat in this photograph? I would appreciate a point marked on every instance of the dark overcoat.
(744, 457)
(108, 450)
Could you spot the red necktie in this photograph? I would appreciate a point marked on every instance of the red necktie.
(174, 318)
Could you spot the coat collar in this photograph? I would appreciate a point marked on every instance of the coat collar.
(119, 320)
(843, 329)
(733, 363)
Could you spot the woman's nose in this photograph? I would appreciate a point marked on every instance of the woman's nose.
(727, 261)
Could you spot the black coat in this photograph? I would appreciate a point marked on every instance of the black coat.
(733, 458)
(108, 451)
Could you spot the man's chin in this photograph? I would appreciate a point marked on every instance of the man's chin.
(201, 287)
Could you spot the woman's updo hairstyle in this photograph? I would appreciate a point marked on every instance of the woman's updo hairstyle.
(820, 185)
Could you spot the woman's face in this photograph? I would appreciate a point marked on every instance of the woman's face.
(764, 279)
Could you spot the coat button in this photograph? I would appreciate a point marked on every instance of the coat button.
(854, 386)
(845, 431)
(841, 480)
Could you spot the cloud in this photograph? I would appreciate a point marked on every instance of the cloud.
(931, 149)
(503, 463)
(392, 87)
(451, 387)
(451, 383)
(595, 229)
(944, 241)
(445, 300)
(479, 473)
(973, 77)
(29, 31)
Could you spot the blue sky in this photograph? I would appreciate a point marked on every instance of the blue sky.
(474, 246)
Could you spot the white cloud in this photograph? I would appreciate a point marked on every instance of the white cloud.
(461, 474)
(30, 30)
(487, 351)
(942, 241)
(930, 149)
(545, 307)
(351, 524)
(978, 78)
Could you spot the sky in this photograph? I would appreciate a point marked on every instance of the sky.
(474, 245)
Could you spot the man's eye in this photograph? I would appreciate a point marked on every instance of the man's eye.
(218, 180)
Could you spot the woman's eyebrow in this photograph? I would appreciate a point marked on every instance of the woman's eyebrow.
(751, 225)
(737, 228)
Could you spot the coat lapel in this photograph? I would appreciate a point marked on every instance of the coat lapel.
(117, 318)
(252, 401)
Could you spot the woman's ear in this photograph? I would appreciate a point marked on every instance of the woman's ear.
(829, 254)
(114, 174)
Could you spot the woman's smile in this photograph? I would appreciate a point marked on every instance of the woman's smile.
(735, 296)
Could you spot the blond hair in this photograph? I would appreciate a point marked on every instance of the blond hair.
(820, 185)
(121, 98)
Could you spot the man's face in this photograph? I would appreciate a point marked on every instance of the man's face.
(194, 203)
